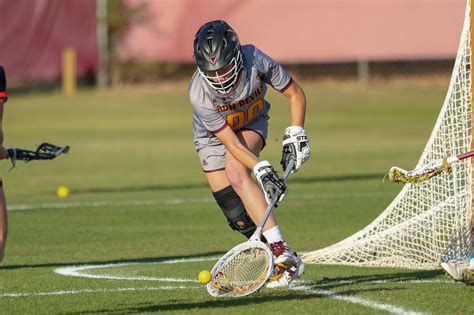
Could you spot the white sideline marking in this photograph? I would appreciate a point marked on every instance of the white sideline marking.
(172, 201)
(95, 291)
(352, 299)
(106, 203)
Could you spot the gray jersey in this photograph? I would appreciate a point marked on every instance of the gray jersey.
(212, 113)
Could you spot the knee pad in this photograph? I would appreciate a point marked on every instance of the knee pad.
(234, 211)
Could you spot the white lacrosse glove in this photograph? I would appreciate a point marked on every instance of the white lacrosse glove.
(272, 185)
(295, 147)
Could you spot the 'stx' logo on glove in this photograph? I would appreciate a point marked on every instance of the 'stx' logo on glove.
(295, 147)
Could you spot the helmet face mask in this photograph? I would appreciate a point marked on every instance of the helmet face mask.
(218, 56)
(225, 79)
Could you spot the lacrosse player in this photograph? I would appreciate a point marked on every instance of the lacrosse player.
(3, 155)
(230, 120)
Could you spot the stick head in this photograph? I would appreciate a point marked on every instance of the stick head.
(399, 175)
(50, 151)
(242, 271)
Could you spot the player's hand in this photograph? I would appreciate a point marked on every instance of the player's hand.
(295, 147)
(3, 153)
(272, 185)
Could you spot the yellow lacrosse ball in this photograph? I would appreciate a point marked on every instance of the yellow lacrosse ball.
(204, 276)
(62, 191)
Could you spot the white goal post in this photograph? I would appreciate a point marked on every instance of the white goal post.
(431, 221)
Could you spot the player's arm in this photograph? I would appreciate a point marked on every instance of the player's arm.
(295, 140)
(3, 150)
(3, 155)
(266, 176)
(3, 100)
(236, 148)
(297, 103)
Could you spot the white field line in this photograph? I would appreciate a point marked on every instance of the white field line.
(80, 271)
(356, 300)
(106, 203)
(66, 292)
(380, 281)
(172, 201)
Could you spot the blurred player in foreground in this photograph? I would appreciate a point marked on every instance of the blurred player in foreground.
(3, 155)
(230, 120)
(461, 270)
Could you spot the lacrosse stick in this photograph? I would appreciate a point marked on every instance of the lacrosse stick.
(246, 267)
(44, 151)
(418, 175)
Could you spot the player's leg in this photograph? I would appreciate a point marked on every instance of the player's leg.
(242, 182)
(230, 203)
(288, 265)
(212, 156)
(230, 181)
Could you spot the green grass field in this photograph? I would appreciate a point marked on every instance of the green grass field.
(142, 221)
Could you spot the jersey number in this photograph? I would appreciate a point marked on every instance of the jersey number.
(239, 119)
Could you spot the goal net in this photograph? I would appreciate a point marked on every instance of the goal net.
(428, 222)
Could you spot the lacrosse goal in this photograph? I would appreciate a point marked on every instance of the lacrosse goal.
(431, 221)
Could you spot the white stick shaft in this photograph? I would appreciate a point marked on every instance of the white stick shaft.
(452, 159)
